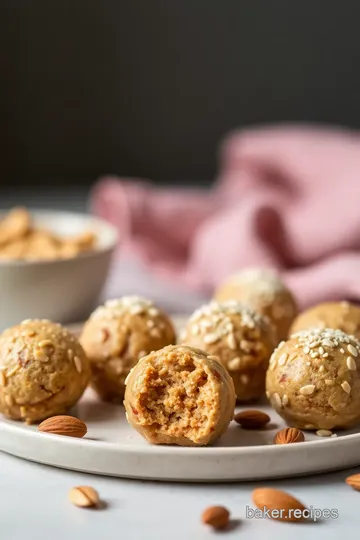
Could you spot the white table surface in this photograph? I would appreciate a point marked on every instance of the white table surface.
(34, 504)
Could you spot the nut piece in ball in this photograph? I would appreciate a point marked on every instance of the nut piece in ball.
(179, 395)
(117, 335)
(43, 370)
(263, 291)
(242, 340)
(337, 315)
(313, 380)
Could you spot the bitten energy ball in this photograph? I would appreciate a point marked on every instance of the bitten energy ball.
(263, 291)
(313, 380)
(179, 395)
(242, 340)
(117, 335)
(337, 315)
(43, 370)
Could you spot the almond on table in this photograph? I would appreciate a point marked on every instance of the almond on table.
(281, 505)
(353, 481)
(216, 516)
(84, 497)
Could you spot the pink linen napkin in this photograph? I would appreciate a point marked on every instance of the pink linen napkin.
(286, 197)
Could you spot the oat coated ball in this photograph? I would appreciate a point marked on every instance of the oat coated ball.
(179, 395)
(337, 315)
(263, 291)
(43, 370)
(117, 335)
(313, 379)
(242, 339)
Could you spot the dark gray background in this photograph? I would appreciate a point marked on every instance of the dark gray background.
(149, 87)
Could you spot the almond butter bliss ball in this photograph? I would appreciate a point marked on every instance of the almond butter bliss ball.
(313, 379)
(263, 291)
(117, 335)
(338, 315)
(179, 395)
(43, 370)
(242, 339)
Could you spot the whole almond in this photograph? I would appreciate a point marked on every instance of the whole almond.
(252, 419)
(216, 516)
(84, 496)
(288, 436)
(354, 481)
(64, 425)
(280, 501)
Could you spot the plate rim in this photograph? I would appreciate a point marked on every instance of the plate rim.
(212, 451)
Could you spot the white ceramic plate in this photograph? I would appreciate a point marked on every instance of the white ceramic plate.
(112, 447)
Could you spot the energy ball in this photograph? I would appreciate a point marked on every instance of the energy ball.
(117, 335)
(179, 395)
(263, 291)
(313, 380)
(43, 370)
(337, 315)
(242, 339)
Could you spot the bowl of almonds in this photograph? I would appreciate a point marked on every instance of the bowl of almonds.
(53, 264)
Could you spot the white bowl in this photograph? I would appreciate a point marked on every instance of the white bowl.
(63, 290)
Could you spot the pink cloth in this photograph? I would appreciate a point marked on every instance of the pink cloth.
(286, 197)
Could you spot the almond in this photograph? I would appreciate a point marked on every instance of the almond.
(288, 436)
(354, 481)
(252, 419)
(216, 516)
(281, 505)
(84, 496)
(64, 425)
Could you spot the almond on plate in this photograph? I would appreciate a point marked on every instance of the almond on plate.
(64, 425)
(288, 436)
(252, 419)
